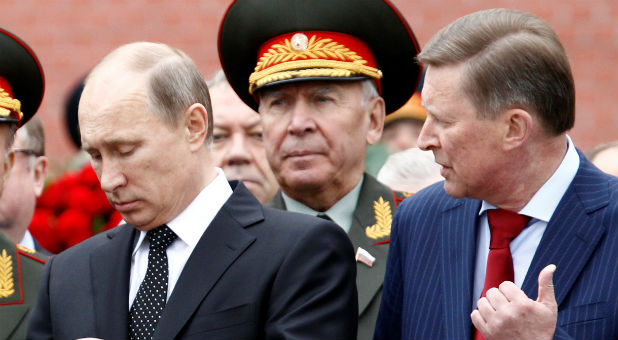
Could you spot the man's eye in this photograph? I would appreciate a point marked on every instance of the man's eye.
(95, 156)
(257, 135)
(218, 137)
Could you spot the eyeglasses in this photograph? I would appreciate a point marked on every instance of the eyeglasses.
(28, 152)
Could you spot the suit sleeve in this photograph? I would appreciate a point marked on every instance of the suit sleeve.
(40, 320)
(388, 325)
(314, 292)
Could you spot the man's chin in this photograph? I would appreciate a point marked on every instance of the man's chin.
(453, 190)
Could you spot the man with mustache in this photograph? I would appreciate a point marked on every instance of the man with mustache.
(200, 257)
(237, 141)
(326, 73)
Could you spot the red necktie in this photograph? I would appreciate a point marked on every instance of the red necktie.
(504, 226)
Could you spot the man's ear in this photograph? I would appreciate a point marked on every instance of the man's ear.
(518, 127)
(196, 124)
(375, 109)
(39, 172)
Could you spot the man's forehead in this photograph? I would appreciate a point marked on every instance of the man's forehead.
(317, 85)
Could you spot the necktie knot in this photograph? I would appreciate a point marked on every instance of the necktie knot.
(324, 216)
(161, 237)
(504, 226)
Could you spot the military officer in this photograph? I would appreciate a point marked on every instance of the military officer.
(322, 75)
(21, 91)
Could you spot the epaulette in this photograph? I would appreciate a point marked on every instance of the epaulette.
(31, 253)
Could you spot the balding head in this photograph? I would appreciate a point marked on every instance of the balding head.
(172, 81)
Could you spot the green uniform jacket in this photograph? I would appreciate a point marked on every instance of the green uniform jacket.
(20, 273)
(370, 229)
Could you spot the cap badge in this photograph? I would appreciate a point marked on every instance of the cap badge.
(384, 219)
(6, 275)
(312, 54)
(300, 42)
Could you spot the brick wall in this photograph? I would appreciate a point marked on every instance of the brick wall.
(70, 36)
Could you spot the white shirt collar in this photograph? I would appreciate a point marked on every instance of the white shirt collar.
(341, 212)
(27, 241)
(546, 199)
(203, 208)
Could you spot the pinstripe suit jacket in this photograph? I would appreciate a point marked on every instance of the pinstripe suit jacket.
(429, 278)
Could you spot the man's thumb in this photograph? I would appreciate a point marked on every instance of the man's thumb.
(546, 287)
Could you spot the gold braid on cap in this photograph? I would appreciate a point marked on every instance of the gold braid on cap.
(327, 58)
(9, 106)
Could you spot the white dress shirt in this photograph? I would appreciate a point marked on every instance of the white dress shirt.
(341, 212)
(189, 226)
(27, 241)
(540, 208)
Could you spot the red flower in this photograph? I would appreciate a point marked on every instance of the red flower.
(72, 209)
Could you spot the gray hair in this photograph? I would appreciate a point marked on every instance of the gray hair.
(33, 136)
(10, 136)
(513, 60)
(175, 82)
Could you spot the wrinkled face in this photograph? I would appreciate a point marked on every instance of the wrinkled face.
(467, 147)
(21, 187)
(237, 143)
(316, 133)
(140, 160)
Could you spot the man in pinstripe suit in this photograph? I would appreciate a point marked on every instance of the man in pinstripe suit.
(500, 99)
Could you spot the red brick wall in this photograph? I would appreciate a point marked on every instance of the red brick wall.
(70, 36)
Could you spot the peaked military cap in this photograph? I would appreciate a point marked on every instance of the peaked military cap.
(21, 80)
(269, 42)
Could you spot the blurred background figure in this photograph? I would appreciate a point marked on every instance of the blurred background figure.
(605, 157)
(410, 170)
(24, 184)
(401, 128)
(237, 141)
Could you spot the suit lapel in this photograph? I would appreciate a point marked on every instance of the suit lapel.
(223, 241)
(110, 271)
(369, 280)
(458, 237)
(572, 234)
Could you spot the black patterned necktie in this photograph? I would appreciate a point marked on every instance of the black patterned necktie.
(152, 294)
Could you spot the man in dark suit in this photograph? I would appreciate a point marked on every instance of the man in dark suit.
(21, 91)
(519, 241)
(24, 184)
(322, 76)
(200, 257)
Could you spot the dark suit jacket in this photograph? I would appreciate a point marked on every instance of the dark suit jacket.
(369, 279)
(429, 280)
(256, 273)
(20, 274)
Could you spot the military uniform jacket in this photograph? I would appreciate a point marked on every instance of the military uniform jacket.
(20, 273)
(370, 230)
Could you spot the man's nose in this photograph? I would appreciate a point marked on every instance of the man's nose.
(111, 177)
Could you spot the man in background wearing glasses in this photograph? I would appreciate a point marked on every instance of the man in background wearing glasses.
(24, 184)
